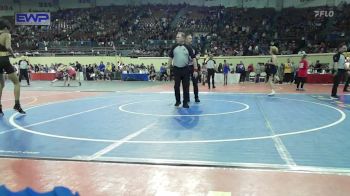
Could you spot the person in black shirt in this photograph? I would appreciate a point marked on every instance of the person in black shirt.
(179, 57)
(79, 69)
(318, 67)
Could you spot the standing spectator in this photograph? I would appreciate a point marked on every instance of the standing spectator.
(220, 68)
(226, 70)
(79, 69)
(288, 71)
(241, 70)
(347, 68)
(302, 73)
(204, 73)
(272, 69)
(84, 71)
(294, 72)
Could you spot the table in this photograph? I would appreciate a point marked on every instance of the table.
(134, 77)
(320, 78)
(43, 76)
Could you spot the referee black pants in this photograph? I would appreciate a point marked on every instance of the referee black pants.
(182, 75)
(211, 74)
(336, 80)
(194, 82)
(24, 73)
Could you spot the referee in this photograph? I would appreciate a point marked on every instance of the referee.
(23, 70)
(193, 79)
(180, 56)
(339, 60)
(211, 65)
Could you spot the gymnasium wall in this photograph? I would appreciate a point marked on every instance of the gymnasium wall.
(157, 61)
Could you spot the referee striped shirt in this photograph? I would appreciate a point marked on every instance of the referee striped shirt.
(182, 55)
(211, 64)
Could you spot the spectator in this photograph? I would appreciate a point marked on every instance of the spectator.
(241, 70)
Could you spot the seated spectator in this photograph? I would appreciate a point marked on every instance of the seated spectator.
(318, 67)
(163, 73)
(249, 70)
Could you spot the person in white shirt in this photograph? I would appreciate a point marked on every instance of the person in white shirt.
(23, 70)
(339, 60)
(211, 65)
(204, 73)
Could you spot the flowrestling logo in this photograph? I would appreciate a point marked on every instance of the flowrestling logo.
(33, 18)
(324, 13)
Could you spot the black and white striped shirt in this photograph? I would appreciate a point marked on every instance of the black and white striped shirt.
(211, 64)
(182, 55)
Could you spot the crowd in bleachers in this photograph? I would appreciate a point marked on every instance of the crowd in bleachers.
(149, 30)
(105, 70)
(285, 72)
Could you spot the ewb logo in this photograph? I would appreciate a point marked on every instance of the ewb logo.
(324, 13)
(40, 18)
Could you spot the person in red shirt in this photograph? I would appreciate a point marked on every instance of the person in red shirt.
(302, 73)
